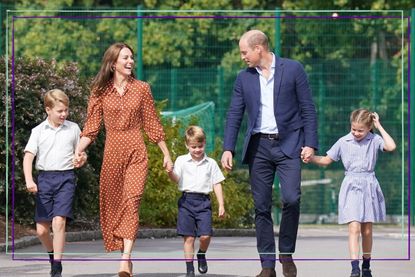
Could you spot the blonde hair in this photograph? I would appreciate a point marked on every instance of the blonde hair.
(362, 116)
(54, 96)
(195, 134)
(106, 71)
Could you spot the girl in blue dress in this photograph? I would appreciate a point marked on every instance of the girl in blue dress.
(361, 200)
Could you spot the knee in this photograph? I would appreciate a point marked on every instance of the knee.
(354, 230)
(58, 223)
(41, 232)
(366, 232)
(189, 240)
(291, 202)
(204, 239)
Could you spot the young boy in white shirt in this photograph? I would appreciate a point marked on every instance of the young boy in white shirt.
(53, 144)
(197, 175)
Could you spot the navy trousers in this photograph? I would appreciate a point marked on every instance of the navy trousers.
(265, 159)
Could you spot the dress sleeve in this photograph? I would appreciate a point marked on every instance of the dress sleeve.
(151, 121)
(379, 142)
(334, 152)
(93, 118)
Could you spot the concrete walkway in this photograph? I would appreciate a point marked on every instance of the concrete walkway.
(321, 251)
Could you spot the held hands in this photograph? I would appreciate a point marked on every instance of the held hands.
(79, 159)
(307, 153)
(167, 164)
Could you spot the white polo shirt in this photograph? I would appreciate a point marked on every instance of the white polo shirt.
(54, 147)
(197, 176)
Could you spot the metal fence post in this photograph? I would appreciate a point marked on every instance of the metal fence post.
(219, 102)
(412, 118)
(139, 54)
(173, 89)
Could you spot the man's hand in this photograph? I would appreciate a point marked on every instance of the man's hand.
(227, 160)
(307, 154)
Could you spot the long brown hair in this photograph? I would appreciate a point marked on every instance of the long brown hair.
(106, 72)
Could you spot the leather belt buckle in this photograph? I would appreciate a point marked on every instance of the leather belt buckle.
(270, 136)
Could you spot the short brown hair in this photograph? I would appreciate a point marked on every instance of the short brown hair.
(54, 96)
(195, 134)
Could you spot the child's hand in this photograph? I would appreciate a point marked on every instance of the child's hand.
(376, 121)
(221, 212)
(31, 187)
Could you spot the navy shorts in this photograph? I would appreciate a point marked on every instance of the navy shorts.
(195, 215)
(55, 195)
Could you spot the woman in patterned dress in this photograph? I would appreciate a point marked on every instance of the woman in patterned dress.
(126, 107)
(361, 200)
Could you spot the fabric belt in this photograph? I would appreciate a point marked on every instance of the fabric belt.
(195, 194)
(269, 136)
(56, 171)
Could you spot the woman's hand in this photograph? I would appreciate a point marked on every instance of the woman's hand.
(167, 163)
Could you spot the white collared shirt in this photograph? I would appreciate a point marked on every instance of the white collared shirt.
(197, 176)
(53, 147)
(266, 122)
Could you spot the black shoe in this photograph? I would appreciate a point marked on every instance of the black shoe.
(190, 274)
(56, 270)
(289, 269)
(267, 272)
(202, 263)
(366, 272)
(355, 273)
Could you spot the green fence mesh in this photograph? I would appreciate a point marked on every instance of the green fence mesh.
(355, 59)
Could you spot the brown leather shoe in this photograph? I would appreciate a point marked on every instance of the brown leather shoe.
(267, 272)
(289, 269)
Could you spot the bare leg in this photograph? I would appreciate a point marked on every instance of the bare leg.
(58, 227)
(189, 248)
(204, 243)
(367, 239)
(125, 265)
(354, 233)
(43, 233)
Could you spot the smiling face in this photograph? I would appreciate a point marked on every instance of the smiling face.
(57, 114)
(196, 149)
(359, 130)
(124, 63)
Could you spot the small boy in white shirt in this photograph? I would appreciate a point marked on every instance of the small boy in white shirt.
(53, 144)
(197, 175)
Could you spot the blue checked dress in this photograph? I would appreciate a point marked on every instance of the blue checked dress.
(360, 198)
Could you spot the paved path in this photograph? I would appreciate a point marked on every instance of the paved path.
(321, 251)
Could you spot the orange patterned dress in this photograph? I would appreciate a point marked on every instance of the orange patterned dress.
(124, 167)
